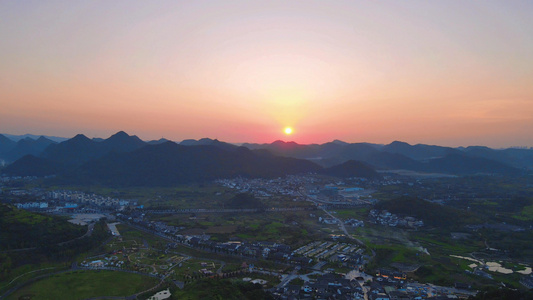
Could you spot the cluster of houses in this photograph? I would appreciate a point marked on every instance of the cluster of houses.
(89, 199)
(8, 179)
(327, 286)
(337, 193)
(286, 186)
(329, 221)
(67, 200)
(101, 263)
(354, 223)
(386, 218)
(46, 206)
(304, 256)
(267, 250)
(157, 226)
(387, 285)
(395, 287)
(348, 254)
(32, 205)
(527, 281)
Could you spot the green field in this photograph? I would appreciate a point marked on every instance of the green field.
(292, 228)
(360, 213)
(182, 196)
(85, 284)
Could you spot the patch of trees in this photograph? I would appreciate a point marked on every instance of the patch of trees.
(68, 251)
(53, 252)
(244, 201)
(221, 289)
(5, 266)
(24, 229)
(432, 214)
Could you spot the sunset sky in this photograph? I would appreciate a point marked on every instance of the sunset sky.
(452, 73)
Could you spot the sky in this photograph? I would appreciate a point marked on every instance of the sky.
(453, 73)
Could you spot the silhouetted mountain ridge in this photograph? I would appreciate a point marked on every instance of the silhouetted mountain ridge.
(209, 142)
(81, 149)
(401, 155)
(6, 145)
(419, 151)
(80, 152)
(28, 146)
(169, 164)
(11, 150)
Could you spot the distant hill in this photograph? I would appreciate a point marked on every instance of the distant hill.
(290, 149)
(209, 142)
(401, 155)
(17, 138)
(6, 145)
(418, 152)
(11, 150)
(432, 214)
(352, 168)
(169, 164)
(30, 165)
(518, 158)
(72, 152)
(159, 141)
(28, 146)
(467, 165)
(81, 149)
(122, 142)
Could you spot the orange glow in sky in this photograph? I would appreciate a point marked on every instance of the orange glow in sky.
(433, 72)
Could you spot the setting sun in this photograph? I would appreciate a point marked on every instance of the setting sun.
(288, 130)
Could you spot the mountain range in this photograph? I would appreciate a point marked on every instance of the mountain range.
(400, 155)
(124, 159)
(12, 150)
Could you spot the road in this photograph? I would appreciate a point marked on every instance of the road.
(341, 224)
(226, 210)
(286, 279)
(319, 265)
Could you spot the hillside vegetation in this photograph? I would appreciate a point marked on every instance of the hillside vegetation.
(24, 229)
(432, 214)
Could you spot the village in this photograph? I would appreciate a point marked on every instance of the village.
(67, 200)
(307, 264)
(331, 268)
(301, 274)
(388, 219)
